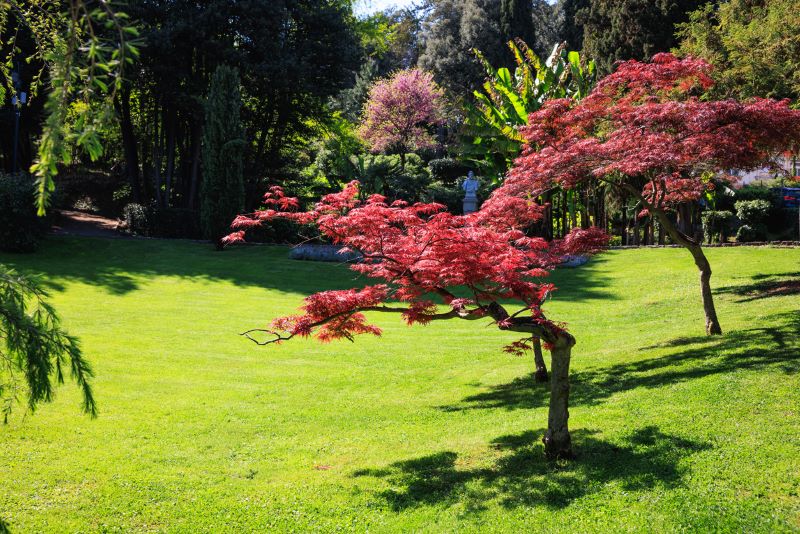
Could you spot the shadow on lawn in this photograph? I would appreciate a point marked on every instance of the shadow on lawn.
(118, 265)
(777, 346)
(521, 476)
(764, 286)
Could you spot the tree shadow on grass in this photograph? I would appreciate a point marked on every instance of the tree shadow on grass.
(765, 286)
(775, 347)
(521, 476)
(120, 265)
(586, 282)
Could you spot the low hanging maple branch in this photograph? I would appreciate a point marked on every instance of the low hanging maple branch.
(648, 130)
(420, 252)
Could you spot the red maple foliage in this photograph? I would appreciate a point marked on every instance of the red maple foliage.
(648, 131)
(420, 253)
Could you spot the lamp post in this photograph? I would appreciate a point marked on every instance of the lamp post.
(17, 101)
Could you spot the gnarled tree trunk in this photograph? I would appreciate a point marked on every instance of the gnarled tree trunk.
(557, 440)
(712, 323)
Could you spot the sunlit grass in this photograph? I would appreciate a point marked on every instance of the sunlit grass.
(427, 428)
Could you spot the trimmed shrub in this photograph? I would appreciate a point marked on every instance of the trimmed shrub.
(716, 225)
(137, 219)
(447, 170)
(747, 233)
(753, 212)
(451, 196)
(21, 230)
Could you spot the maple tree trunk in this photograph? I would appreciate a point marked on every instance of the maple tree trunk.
(557, 441)
(712, 323)
(538, 359)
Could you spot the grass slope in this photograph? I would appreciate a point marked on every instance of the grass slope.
(429, 428)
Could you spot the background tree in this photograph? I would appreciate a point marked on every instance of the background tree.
(400, 113)
(223, 186)
(753, 45)
(645, 131)
(421, 252)
(516, 22)
(616, 30)
(451, 31)
(571, 30)
(492, 126)
(292, 58)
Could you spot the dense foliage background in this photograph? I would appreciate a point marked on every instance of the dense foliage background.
(307, 69)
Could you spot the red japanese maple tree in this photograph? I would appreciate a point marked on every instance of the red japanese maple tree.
(648, 131)
(418, 253)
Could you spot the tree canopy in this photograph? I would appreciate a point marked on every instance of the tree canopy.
(401, 111)
(645, 130)
(619, 30)
(754, 46)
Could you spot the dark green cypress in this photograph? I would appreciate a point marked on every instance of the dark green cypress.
(571, 27)
(516, 22)
(222, 191)
(631, 29)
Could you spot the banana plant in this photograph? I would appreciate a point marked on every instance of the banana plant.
(492, 138)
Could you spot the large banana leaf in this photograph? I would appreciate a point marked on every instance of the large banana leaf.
(492, 138)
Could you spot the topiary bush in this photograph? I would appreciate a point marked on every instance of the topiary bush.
(447, 170)
(753, 215)
(137, 219)
(747, 233)
(752, 212)
(716, 225)
(21, 230)
(451, 196)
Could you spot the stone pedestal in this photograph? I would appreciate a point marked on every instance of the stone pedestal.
(470, 204)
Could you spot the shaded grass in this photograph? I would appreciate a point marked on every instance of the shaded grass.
(430, 428)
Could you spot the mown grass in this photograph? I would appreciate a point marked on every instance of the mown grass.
(427, 428)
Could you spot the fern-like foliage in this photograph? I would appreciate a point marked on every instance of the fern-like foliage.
(35, 351)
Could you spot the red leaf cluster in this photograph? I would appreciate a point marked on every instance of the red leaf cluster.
(418, 251)
(648, 129)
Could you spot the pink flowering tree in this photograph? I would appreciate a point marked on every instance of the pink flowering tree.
(401, 112)
(431, 265)
(648, 131)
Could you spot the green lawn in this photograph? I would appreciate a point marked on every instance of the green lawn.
(427, 428)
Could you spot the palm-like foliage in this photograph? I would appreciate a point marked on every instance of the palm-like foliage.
(491, 130)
